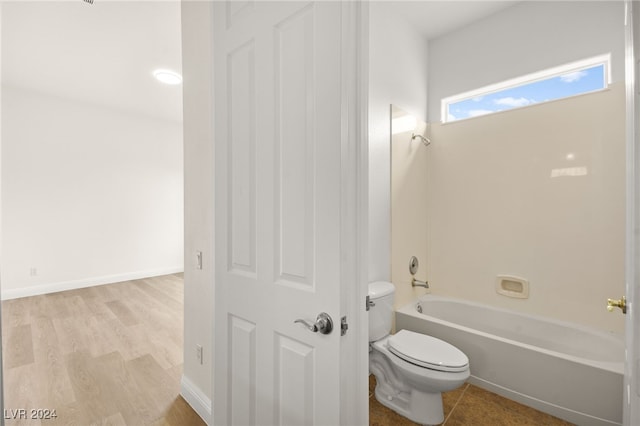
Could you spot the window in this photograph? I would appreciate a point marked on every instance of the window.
(585, 76)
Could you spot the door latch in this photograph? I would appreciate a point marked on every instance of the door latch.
(369, 303)
(343, 326)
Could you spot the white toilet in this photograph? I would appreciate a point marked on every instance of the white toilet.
(411, 369)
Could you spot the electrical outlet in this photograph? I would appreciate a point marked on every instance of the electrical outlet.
(33, 272)
(199, 353)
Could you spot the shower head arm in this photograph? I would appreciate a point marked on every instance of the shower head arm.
(424, 140)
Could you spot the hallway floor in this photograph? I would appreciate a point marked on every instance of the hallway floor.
(468, 406)
(104, 355)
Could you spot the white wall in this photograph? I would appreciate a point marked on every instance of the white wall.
(89, 194)
(527, 37)
(198, 166)
(397, 75)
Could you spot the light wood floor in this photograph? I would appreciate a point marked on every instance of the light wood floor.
(105, 355)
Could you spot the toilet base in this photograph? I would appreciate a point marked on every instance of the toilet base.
(420, 407)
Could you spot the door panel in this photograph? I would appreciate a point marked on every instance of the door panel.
(242, 371)
(242, 177)
(294, 382)
(295, 150)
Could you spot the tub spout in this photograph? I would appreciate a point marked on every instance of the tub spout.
(418, 283)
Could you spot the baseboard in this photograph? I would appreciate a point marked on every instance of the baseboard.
(196, 399)
(88, 282)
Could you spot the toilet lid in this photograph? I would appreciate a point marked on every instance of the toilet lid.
(427, 351)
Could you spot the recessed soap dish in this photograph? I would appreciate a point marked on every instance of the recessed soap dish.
(511, 286)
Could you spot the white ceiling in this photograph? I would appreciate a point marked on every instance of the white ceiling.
(105, 53)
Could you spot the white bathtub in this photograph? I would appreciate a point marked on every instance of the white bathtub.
(563, 369)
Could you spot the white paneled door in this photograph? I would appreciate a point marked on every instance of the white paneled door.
(286, 211)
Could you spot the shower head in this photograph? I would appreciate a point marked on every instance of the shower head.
(88, 1)
(424, 140)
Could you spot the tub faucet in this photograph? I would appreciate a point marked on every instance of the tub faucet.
(418, 283)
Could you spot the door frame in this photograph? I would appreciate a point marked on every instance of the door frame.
(631, 405)
(354, 354)
(1, 379)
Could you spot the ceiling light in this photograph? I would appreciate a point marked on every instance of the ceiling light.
(167, 77)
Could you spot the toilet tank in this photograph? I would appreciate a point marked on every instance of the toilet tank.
(381, 310)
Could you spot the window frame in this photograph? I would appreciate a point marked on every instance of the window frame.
(548, 73)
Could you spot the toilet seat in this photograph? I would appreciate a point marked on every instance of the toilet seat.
(427, 351)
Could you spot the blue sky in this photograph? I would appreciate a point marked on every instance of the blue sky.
(573, 83)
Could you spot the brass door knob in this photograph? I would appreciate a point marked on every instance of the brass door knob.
(622, 304)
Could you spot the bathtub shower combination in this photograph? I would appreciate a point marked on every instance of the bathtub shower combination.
(563, 369)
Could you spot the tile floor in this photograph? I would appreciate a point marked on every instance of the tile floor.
(468, 405)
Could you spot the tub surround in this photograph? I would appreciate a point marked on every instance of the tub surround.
(496, 207)
(527, 358)
(480, 201)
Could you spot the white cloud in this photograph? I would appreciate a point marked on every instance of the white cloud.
(573, 76)
(451, 117)
(513, 102)
(479, 112)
